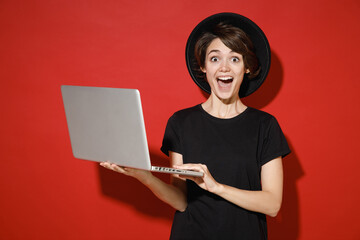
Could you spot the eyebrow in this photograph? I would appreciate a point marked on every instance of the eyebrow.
(217, 51)
(213, 51)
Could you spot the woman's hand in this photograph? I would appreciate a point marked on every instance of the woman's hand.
(206, 182)
(171, 194)
(141, 175)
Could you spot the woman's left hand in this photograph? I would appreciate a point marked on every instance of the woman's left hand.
(139, 174)
(206, 182)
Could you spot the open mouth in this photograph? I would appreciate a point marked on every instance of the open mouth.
(224, 81)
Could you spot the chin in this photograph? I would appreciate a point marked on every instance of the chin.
(225, 95)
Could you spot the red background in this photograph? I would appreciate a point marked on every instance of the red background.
(312, 89)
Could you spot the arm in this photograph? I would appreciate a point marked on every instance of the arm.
(267, 201)
(173, 194)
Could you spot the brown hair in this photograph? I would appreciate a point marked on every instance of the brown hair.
(235, 39)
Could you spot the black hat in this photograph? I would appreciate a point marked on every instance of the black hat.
(257, 36)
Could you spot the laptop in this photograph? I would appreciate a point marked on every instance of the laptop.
(107, 124)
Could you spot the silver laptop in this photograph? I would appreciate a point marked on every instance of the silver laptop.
(107, 124)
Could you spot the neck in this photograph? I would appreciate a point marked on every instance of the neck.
(223, 108)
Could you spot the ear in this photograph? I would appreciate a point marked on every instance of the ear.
(203, 70)
(247, 71)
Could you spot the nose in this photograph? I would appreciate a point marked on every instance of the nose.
(224, 67)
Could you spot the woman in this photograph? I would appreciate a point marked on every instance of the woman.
(239, 149)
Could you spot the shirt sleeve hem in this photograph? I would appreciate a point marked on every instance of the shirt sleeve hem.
(280, 154)
(166, 151)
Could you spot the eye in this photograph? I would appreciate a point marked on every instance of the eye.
(214, 59)
(235, 59)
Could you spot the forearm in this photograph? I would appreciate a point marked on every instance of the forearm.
(168, 193)
(257, 201)
(267, 201)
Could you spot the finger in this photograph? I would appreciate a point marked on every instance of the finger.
(112, 166)
(117, 168)
(185, 177)
(130, 170)
(105, 165)
(202, 168)
(188, 166)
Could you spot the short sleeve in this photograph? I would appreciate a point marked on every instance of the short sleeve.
(274, 142)
(171, 140)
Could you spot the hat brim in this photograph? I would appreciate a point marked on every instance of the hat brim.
(257, 36)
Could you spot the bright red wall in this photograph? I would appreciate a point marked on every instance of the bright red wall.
(312, 89)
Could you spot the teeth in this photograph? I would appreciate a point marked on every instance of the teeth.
(225, 78)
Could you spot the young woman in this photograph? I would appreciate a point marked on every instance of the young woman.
(239, 149)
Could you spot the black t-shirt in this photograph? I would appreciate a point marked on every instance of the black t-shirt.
(234, 151)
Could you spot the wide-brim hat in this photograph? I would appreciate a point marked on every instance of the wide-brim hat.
(257, 36)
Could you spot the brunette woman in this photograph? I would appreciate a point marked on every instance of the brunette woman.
(238, 149)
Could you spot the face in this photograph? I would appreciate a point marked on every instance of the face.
(224, 70)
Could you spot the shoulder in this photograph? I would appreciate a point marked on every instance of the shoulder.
(262, 119)
(260, 115)
(186, 113)
(267, 124)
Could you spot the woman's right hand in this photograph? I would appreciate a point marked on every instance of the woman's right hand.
(139, 174)
(173, 194)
